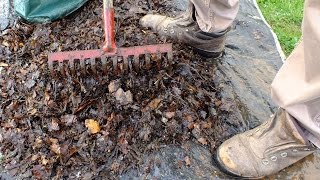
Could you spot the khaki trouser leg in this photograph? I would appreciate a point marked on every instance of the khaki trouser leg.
(296, 87)
(215, 15)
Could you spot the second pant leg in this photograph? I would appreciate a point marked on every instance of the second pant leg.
(215, 15)
(296, 87)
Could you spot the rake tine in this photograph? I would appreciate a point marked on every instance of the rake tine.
(170, 60)
(136, 63)
(147, 58)
(158, 61)
(115, 64)
(50, 66)
(125, 64)
(71, 66)
(83, 66)
(130, 64)
(61, 68)
(93, 65)
(104, 64)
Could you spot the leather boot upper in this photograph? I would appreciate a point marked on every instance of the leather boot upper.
(266, 149)
(185, 29)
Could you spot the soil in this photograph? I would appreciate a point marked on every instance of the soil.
(86, 127)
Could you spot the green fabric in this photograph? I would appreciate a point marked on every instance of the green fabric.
(45, 10)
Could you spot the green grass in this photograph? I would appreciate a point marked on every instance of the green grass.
(285, 17)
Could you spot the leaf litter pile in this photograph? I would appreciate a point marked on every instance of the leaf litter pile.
(93, 127)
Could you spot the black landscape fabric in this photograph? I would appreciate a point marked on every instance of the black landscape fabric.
(147, 124)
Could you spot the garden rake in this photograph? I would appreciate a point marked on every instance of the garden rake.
(110, 58)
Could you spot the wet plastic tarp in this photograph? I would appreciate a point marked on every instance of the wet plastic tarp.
(45, 10)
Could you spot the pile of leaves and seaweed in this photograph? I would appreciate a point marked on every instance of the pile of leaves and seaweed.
(89, 127)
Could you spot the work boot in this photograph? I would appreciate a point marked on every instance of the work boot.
(185, 29)
(264, 150)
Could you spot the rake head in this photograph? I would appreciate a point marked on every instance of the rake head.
(122, 60)
(110, 58)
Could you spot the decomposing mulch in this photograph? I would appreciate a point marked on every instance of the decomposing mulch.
(94, 127)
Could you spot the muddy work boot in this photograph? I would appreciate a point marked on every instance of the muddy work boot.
(185, 29)
(265, 150)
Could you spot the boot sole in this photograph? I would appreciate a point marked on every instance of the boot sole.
(207, 54)
(216, 162)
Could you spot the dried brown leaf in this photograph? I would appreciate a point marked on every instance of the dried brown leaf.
(38, 143)
(180, 164)
(187, 160)
(164, 120)
(37, 172)
(124, 98)
(115, 166)
(206, 125)
(53, 140)
(189, 118)
(218, 103)
(34, 157)
(123, 145)
(21, 44)
(177, 91)
(114, 86)
(6, 43)
(69, 119)
(44, 161)
(154, 103)
(191, 125)
(23, 72)
(54, 126)
(55, 148)
(192, 89)
(92, 125)
(46, 96)
(169, 115)
(33, 112)
(111, 117)
(144, 133)
(203, 141)
(2, 64)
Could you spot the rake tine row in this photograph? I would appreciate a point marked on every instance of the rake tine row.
(120, 64)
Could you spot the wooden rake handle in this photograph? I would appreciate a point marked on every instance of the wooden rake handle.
(108, 21)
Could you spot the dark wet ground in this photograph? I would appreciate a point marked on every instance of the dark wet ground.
(169, 128)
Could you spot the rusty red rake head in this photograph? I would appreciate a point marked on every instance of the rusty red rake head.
(123, 60)
(110, 58)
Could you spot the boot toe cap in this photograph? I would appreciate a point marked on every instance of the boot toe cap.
(233, 157)
(152, 21)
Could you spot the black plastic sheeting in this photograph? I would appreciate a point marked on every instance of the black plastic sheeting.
(244, 75)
